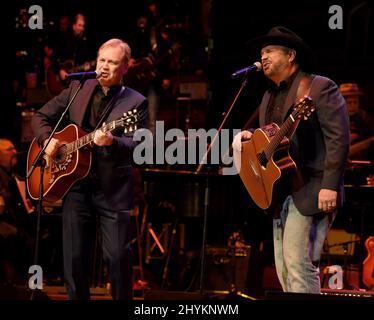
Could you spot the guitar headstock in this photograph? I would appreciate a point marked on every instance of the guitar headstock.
(129, 121)
(304, 108)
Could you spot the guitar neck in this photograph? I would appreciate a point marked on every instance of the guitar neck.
(284, 130)
(88, 138)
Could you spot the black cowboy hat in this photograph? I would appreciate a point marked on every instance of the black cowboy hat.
(285, 37)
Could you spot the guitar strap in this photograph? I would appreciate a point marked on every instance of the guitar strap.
(305, 86)
(109, 107)
(303, 90)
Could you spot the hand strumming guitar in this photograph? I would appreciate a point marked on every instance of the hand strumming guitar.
(52, 147)
(239, 138)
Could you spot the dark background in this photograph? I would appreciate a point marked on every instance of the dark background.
(217, 32)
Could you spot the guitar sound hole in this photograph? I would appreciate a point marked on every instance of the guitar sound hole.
(60, 156)
(262, 159)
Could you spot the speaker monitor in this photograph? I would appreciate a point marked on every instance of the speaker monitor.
(225, 269)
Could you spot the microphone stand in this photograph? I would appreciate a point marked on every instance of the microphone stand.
(207, 188)
(40, 161)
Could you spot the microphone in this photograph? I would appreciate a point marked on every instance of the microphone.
(257, 66)
(83, 75)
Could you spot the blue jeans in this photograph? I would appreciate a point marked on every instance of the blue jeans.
(298, 243)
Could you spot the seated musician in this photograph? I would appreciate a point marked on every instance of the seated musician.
(362, 135)
(16, 242)
(70, 52)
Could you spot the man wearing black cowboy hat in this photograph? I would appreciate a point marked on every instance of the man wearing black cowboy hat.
(304, 202)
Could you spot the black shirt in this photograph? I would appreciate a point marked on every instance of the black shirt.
(97, 105)
(277, 100)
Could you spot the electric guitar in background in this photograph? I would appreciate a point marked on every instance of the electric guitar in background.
(72, 161)
(143, 71)
(368, 264)
(55, 82)
(265, 157)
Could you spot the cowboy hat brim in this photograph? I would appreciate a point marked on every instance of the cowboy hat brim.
(284, 37)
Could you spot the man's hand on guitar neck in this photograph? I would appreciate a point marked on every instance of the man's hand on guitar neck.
(102, 139)
(239, 138)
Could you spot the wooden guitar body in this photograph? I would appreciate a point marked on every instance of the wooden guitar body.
(61, 171)
(368, 264)
(72, 161)
(265, 157)
(259, 178)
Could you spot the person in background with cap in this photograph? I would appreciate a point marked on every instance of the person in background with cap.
(362, 137)
(305, 202)
(361, 122)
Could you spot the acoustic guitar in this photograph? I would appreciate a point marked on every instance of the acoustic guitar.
(72, 161)
(368, 264)
(265, 157)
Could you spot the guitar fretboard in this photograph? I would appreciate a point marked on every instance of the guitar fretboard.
(300, 109)
(88, 138)
(128, 123)
(276, 140)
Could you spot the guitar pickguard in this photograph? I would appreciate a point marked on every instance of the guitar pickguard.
(59, 166)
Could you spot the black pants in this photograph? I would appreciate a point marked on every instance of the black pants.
(81, 206)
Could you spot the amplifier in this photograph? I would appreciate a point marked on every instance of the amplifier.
(225, 268)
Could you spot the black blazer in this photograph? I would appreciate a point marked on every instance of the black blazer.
(319, 146)
(114, 167)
